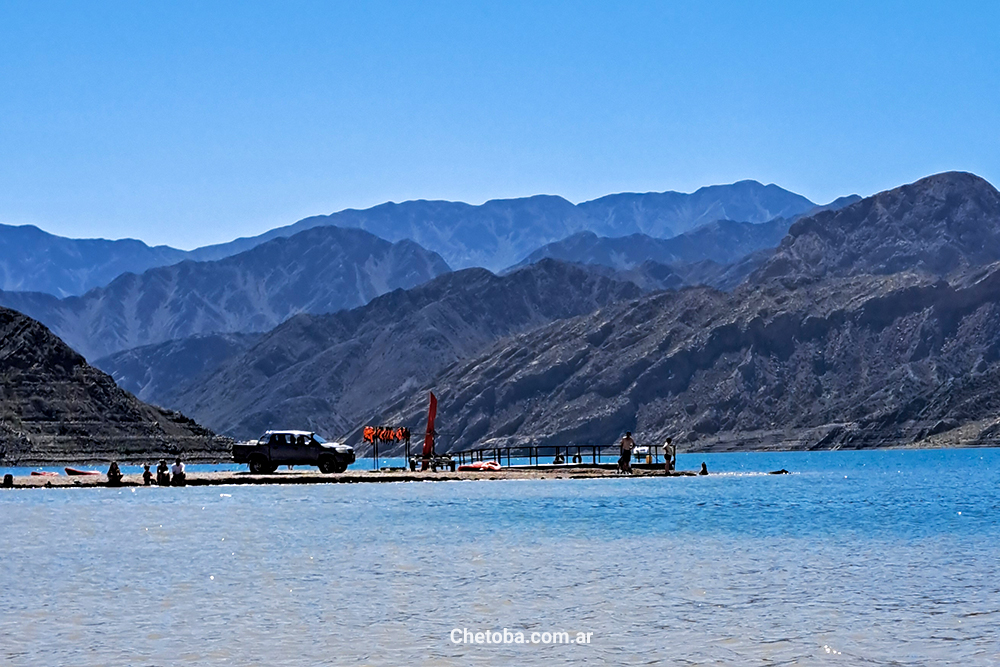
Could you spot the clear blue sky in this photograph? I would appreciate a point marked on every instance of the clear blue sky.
(193, 123)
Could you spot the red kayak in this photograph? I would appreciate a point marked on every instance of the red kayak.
(480, 465)
(44, 473)
(74, 471)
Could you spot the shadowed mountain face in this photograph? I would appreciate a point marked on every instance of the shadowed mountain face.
(858, 342)
(320, 270)
(857, 362)
(328, 373)
(150, 371)
(501, 232)
(722, 242)
(56, 408)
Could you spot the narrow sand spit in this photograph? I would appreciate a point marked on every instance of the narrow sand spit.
(349, 477)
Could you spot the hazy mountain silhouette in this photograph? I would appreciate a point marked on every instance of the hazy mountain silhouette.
(501, 232)
(319, 270)
(719, 241)
(495, 234)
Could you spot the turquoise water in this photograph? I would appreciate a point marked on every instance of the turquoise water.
(858, 558)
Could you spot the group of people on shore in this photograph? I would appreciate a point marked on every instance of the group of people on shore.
(165, 475)
(627, 446)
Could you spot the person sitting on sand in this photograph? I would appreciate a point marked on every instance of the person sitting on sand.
(178, 478)
(162, 474)
(704, 469)
(147, 476)
(114, 474)
(625, 461)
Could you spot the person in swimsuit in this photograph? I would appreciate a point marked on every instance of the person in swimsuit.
(625, 461)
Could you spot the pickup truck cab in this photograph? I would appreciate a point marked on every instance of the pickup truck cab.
(276, 448)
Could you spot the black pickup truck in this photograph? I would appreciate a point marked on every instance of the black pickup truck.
(276, 448)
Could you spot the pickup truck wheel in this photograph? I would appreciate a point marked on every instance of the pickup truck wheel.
(327, 464)
(259, 465)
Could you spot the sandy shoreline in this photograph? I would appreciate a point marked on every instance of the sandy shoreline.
(349, 477)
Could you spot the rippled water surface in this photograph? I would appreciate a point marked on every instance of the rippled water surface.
(857, 558)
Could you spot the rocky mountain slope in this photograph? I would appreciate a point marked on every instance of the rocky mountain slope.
(316, 271)
(941, 225)
(329, 373)
(54, 408)
(849, 336)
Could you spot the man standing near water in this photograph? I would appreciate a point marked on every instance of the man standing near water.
(625, 462)
(669, 456)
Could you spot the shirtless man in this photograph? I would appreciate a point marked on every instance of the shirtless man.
(625, 462)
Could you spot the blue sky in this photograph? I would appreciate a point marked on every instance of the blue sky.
(193, 123)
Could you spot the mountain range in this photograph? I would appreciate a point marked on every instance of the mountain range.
(330, 372)
(877, 324)
(870, 323)
(502, 232)
(721, 241)
(32, 260)
(494, 235)
(318, 270)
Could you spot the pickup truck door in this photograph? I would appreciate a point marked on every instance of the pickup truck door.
(304, 452)
(283, 450)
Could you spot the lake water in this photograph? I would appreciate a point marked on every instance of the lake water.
(858, 558)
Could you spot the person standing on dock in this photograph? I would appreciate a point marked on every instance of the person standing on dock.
(625, 461)
(669, 456)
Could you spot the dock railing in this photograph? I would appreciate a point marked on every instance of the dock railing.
(544, 455)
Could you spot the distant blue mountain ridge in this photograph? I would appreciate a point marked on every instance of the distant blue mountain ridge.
(721, 241)
(493, 235)
(319, 270)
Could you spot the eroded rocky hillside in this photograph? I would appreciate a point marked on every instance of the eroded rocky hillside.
(55, 408)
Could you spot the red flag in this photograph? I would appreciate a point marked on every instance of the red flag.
(429, 436)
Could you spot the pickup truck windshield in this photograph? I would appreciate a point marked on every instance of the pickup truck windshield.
(318, 439)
